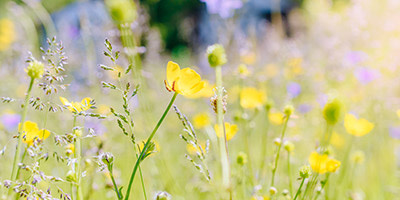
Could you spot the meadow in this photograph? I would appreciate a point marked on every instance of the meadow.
(105, 109)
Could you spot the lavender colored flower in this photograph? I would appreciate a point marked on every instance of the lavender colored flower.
(304, 108)
(355, 57)
(294, 89)
(365, 75)
(394, 132)
(98, 127)
(10, 121)
(224, 8)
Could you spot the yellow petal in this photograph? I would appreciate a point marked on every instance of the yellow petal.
(357, 127)
(188, 81)
(276, 118)
(64, 101)
(85, 103)
(318, 162)
(173, 72)
(43, 134)
(251, 98)
(230, 131)
(29, 126)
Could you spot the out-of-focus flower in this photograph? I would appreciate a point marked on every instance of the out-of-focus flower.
(304, 108)
(251, 98)
(69, 149)
(77, 106)
(143, 142)
(115, 73)
(122, 11)
(241, 158)
(248, 58)
(224, 8)
(243, 70)
(10, 120)
(7, 33)
(271, 70)
(30, 132)
(337, 140)
(185, 82)
(294, 89)
(294, 68)
(103, 109)
(365, 75)
(305, 171)
(163, 196)
(398, 113)
(230, 130)
(195, 149)
(206, 92)
(289, 146)
(322, 163)
(357, 127)
(394, 132)
(201, 120)
(332, 111)
(216, 55)
(358, 157)
(355, 57)
(276, 118)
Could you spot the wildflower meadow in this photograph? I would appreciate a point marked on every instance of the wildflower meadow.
(200, 99)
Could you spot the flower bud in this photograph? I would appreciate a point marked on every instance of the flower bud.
(78, 132)
(358, 157)
(243, 71)
(277, 141)
(35, 69)
(122, 11)
(216, 55)
(332, 111)
(305, 171)
(71, 176)
(163, 196)
(241, 158)
(107, 158)
(272, 190)
(269, 105)
(288, 110)
(289, 146)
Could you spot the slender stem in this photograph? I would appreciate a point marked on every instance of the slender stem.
(289, 175)
(142, 180)
(322, 186)
(77, 155)
(128, 41)
(114, 183)
(22, 160)
(263, 154)
(138, 161)
(299, 190)
(20, 133)
(279, 150)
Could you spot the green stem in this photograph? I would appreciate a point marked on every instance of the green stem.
(322, 186)
(77, 155)
(114, 183)
(289, 175)
(138, 161)
(278, 152)
(142, 180)
(19, 146)
(299, 190)
(128, 41)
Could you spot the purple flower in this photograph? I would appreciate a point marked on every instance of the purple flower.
(304, 108)
(224, 8)
(355, 57)
(394, 132)
(98, 127)
(365, 75)
(10, 121)
(294, 89)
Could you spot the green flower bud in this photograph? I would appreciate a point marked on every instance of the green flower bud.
(269, 105)
(163, 196)
(122, 11)
(289, 146)
(288, 110)
(332, 111)
(272, 190)
(241, 158)
(277, 141)
(35, 69)
(216, 55)
(305, 171)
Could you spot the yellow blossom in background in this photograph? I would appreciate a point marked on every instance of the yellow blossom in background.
(206, 92)
(201, 120)
(358, 157)
(70, 149)
(337, 140)
(103, 109)
(357, 127)
(276, 118)
(398, 113)
(185, 82)
(243, 70)
(294, 68)
(77, 106)
(271, 70)
(248, 58)
(7, 34)
(114, 73)
(194, 149)
(31, 132)
(251, 97)
(322, 163)
(230, 130)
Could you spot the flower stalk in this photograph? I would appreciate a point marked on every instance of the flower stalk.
(278, 151)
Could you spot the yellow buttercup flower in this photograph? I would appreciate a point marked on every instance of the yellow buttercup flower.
(251, 97)
(7, 33)
(77, 106)
(276, 118)
(185, 82)
(201, 120)
(206, 92)
(31, 132)
(322, 163)
(357, 127)
(230, 130)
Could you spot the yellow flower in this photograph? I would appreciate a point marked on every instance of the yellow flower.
(143, 142)
(194, 149)
(398, 113)
(251, 98)
(206, 92)
(271, 70)
(243, 70)
(7, 33)
(77, 106)
(276, 118)
(249, 58)
(357, 127)
(103, 109)
(337, 140)
(70, 149)
(201, 120)
(294, 67)
(185, 82)
(322, 163)
(31, 132)
(230, 130)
